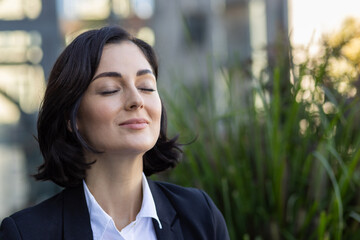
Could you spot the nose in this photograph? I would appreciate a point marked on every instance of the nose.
(134, 100)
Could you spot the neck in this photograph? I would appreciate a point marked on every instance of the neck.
(116, 184)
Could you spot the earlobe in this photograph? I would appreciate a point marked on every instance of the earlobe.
(69, 125)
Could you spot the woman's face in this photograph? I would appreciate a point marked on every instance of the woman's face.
(121, 109)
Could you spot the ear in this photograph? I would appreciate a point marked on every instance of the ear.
(68, 124)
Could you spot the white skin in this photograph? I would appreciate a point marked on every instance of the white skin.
(123, 89)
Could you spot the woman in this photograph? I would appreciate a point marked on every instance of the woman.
(101, 129)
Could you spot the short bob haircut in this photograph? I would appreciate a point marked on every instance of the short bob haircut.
(60, 141)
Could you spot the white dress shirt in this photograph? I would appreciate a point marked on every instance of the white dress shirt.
(103, 226)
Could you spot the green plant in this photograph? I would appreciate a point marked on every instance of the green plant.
(279, 164)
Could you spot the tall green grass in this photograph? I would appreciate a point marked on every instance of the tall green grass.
(279, 162)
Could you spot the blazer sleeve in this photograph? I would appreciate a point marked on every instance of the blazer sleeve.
(221, 231)
(9, 230)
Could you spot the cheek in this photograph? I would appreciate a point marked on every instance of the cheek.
(94, 114)
(103, 113)
(153, 108)
(156, 109)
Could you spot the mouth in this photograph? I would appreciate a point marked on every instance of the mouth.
(135, 123)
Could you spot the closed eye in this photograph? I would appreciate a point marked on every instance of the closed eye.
(108, 92)
(147, 89)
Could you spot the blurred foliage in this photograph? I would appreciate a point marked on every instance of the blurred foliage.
(343, 52)
(279, 162)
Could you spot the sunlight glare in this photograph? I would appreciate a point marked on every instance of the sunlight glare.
(147, 34)
(312, 18)
(9, 113)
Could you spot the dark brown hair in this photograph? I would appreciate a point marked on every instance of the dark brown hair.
(63, 149)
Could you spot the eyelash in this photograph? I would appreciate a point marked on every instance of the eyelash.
(147, 89)
(109, 92)
(114, 91)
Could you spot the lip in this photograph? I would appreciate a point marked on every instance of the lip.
(135, 123)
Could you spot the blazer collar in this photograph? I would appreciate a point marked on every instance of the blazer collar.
(76, 215)
(167, 214)
(77, 219)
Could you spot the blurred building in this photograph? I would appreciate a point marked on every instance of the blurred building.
(192, 39)
(29, 43)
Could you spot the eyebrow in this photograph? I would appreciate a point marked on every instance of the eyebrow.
(144, 72)
(118, 75)
(108, 74)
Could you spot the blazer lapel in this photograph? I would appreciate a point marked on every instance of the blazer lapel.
(76, 215)
(171, 228)
(77, 219)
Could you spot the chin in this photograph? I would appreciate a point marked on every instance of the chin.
(133, 148)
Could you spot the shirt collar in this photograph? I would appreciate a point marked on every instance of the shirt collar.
(148, 208)
(100, 219)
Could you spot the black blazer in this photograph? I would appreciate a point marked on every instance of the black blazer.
(185, 213)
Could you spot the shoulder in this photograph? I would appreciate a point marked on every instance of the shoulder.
(185, 196)
(31, 221)
(178, 190)
(42, 211)
(195, 209)
(188, 199)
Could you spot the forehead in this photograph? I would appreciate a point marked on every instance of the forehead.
(124, 54)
